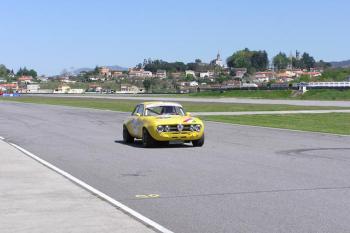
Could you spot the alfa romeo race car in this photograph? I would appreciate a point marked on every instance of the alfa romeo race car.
(162, 122)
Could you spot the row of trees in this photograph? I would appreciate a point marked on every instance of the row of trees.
(26, 72)
(154, 65)
(252, 60)
(258, 61)
(5, 72)
(281, 61)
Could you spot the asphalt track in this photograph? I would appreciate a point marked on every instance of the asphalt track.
(244, 179)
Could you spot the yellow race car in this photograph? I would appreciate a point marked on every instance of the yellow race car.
(162, 122)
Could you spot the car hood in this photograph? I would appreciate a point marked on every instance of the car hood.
(169, 120)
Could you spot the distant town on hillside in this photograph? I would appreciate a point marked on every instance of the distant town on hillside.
(244, 69)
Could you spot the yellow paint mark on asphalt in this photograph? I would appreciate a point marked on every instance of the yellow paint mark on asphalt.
(147, 196)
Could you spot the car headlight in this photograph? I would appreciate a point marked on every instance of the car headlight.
(160, 128)
(196, 128)
(166, 128)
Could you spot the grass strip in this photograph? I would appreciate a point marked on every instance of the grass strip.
(128, 105)
(337, 123)
(321, 94)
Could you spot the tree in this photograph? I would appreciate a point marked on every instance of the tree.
(33, 73)
(222, 79)
(26, 72)
(240, 59)
(280, 61)
(338, 75)
(147, 83)
(260, 60)
(303, 79)
(96, 70)
(189, 77)
(198, 60)
(170, 67)
(179, 66)
(307, 61)
(323, 65)
(252, 60)
(139, 66)
(296, 63)
(200, 67)
(3, 71)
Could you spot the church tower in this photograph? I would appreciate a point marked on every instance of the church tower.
(218, 60)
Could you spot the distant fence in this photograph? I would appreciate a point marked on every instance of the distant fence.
(268, 88)
(194, 90)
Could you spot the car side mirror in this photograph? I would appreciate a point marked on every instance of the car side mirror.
(137, 114)
(188, 114)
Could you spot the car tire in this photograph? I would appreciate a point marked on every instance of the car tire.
(127, 138)
(199, 142)
(147, 140)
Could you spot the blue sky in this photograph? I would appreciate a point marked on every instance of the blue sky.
(52, 35)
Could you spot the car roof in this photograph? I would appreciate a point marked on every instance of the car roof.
(160, 103)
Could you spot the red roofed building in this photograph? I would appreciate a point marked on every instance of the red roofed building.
(313, 73)
(9, 86)
(25, 79)
(263, 76)
(104, 71)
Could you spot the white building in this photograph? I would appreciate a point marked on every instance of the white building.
(43, 78)
(189, 84)
(261, 77)
(140, 73)
(93, 78)
(190, 72)
(33, 88)
(218, 61)
(207, 74)
(161, 74)
(249, 85)
(193, 84)
(240, 72)
(130, 89)
(76, 91)
(147, 73)
(68, 81)
(62, 89)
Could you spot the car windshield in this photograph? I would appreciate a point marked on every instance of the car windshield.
(164, 110)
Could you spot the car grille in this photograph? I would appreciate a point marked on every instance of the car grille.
(173, 128)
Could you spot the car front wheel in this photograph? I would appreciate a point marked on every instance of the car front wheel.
(199, 142)
(147, 140)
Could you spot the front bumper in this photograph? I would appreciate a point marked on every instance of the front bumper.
(177, 136)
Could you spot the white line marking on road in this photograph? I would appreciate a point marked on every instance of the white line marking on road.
(293, 112)
(280, 129)
(57, 106)
(148, 222)
(147, 196)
